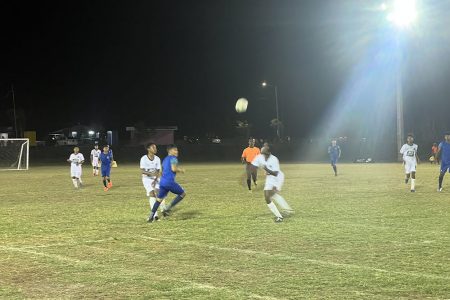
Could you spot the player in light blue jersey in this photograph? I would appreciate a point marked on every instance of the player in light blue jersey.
(168, 184)
(444, 153)
(334, 151)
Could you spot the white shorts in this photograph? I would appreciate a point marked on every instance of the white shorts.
(410, 166)
(147, 182)
(95, 162)
(75, 171)
(274, 182)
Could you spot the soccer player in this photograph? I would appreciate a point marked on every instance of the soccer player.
(247, 157)
(335, 153)
(168, 184)
(150, 165)
(76, 159)
(106, 160)
(95, 153)
(274, 182)
(410, 160)
(434, 153)
(444, 152)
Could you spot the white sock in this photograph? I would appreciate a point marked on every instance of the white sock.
(152, 201)
(162, 206)
(279, 200)
(75, 182)
(413, 184)
(274, 210)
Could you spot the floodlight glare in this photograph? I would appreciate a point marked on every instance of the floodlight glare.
(264, 83)
(403, 13)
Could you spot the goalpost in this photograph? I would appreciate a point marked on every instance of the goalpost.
(14, 154)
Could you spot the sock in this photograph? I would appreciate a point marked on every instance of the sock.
(109, 180)
(163, 205)
(413, 184)
(441, 178)
(104, 183)
(79, 179)
(75, 183)
(274, 210)
(152, 201)
(254, 178)
(249, 184)
(335, 169)
(154, 209)
(79, 182)
(279, 200)
(175, 201)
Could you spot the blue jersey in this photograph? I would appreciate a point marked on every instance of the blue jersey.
(445, 153)
(167, 174)
(334, 151)
(106, 160)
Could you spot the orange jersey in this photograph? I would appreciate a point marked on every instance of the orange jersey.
(434, 149)
(250, 153)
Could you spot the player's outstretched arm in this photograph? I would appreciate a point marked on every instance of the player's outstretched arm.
(270, 172)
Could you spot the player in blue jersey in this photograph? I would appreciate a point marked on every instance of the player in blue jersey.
(444, 152)
(335, 153)
(106, 160)
(168, 184)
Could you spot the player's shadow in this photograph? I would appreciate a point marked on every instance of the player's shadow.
(186, 215)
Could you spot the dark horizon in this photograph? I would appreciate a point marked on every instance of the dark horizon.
(186, 63)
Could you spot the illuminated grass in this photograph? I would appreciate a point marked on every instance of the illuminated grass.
(361, 235)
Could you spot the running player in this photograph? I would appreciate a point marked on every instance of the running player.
(444, 152)
(168, 184)
(247, 157)
(106, 160)
(76, 159)
(410, 160)
(95, 153)
(274, 182)
(335, 153)
(150, 165)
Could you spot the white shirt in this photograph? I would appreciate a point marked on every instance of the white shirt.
(76, 158)
(409, 152)
(150, 165)
(271, 163)
(95, 153)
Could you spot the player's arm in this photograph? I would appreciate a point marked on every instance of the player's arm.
(270, 172)
(340, 152)
(243, 157)
(438, 153)
(174, 166)
(144, 172)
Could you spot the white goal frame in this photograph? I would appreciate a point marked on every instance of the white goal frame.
(24, 150)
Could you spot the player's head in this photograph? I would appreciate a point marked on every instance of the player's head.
(266, 144)
(151, 148)
(333, 142)
(447, 137)
(410, 138)
(76, 150)
(105, 149)
(251, 142)
(265, 151)
(172, 150)
(96, 146)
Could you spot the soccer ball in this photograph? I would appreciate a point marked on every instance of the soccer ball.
(241, 105)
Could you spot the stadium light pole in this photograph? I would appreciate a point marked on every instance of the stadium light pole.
(265, 84)
(14, 110)
(402, 14)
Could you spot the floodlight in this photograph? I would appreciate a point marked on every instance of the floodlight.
(403, 13)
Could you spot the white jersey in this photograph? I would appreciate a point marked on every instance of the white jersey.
(95, 153)
(409, 153)
(150, 165)
(272, 164)
(75, 159)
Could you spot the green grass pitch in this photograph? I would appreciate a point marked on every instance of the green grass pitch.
(361, 235)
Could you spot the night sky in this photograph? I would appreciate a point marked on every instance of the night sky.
(185, 63)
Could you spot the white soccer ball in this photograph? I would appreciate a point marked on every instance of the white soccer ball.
(241, 105)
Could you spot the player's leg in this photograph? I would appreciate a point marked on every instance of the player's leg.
(413, 181)
(277, 198)
(248, 170)
(75, 181)
(109, 178)
(105, 179)
(254, 174)
(268, 194)
(177, 190)
(162, 194)
(80, 172)
(441, 177)
(333, 164)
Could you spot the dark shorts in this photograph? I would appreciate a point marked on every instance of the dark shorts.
(334, 160)
(172, 187)
(251, 170)
(106, 172)
(445, 167)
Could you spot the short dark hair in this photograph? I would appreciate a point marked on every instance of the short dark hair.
(171, 146)
(148, 145)
(410, 135)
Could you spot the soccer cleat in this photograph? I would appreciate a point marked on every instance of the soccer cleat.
(110, 184)
(278, 220)
(166, 213)
(105, 189)
(413, 191)
(440, 189)
(406, 180)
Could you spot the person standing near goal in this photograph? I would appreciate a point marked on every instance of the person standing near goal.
(150, 165)
(76, 159)
(410, 160)
(274, 182)
(95, 154)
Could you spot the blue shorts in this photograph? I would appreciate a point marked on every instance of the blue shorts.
(334, 160)
(167, 187)
(445, 167)
(106, 172)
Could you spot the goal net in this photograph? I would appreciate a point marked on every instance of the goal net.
(14, 154)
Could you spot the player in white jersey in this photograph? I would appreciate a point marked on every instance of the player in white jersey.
(95, 154)
(151, 171)
(410, 160)
(76, 159)
(274, 182)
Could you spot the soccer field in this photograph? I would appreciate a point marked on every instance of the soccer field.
(361, 235)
